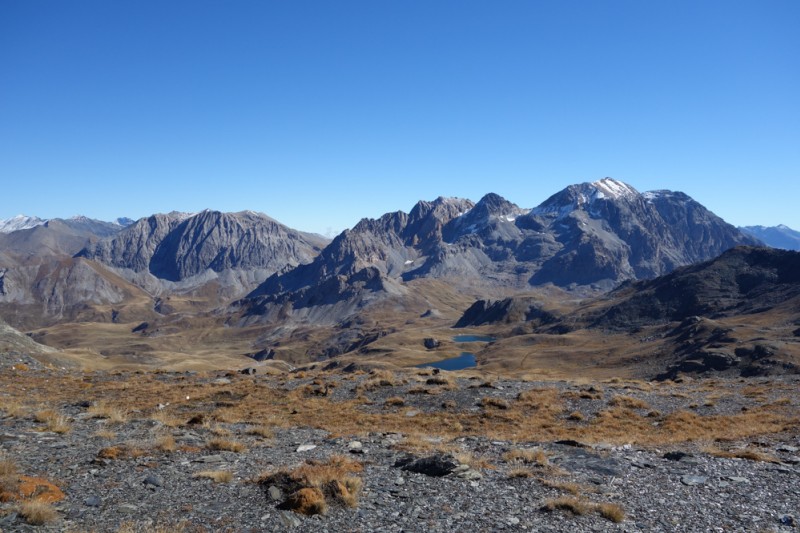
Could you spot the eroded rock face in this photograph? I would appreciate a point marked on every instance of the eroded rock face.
(176, 246)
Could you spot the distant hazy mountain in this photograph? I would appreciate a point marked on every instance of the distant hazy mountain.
(56, 236)
(776, 236)
(591, 234)
(41, 283)
(19, 222)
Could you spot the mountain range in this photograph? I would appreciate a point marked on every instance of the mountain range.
(160, 281)
(780, 236)
(590, 236)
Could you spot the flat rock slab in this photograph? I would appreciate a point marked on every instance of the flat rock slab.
(690, 481)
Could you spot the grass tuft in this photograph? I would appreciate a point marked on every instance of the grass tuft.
(53, 421)
(750, 455)
(263, 431)
(577, 506)
(37, 513)
(528, 456)
(394, 401)
(491, 401)
(221, 444)
(610, 511)
(566, 503)
(314, 485)
(217, 476)
(628, 402)
(111, 414)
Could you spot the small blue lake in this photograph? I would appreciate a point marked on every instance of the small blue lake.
(465, 360)
(473, 338)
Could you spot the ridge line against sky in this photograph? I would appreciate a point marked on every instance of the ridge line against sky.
(319, 114)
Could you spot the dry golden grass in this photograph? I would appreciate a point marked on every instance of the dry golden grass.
(576, 416)
(440, 379)
(111, 414)
(9, 481)
(37, 512)
(261, 431)
(14, 408)
(7, 467)
(528, 456)
(380, 378)
(314, 485)
(220, 431)
(566, 486)
(520, 472)
(629, 402)
(538, 414)
(421, 389)
(394, 401)
(220, 444)
(545, 402)
(578, 506)
(476, 463)
(416, 442)
(105, 434)
(610, 511)
(217, 476)
(491, 401)
(121, 451)
(53, 421)
(565, 503)
(166, 443)
(750, 455)
(167, 418)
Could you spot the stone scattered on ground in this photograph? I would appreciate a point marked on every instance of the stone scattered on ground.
(467, 484)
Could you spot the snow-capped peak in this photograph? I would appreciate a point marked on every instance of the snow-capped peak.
(583, 196)
(20, 222)
(613, 188)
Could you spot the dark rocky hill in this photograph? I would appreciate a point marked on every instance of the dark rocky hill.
(743, 280)
(507, 310)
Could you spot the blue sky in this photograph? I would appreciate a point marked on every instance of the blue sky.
(320, 113)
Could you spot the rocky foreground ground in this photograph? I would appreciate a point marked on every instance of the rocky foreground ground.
(367, 450)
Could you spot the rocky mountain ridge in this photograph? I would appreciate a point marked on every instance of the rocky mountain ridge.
(590, 235)
(22, 222)
(177, 246)
(780, 236)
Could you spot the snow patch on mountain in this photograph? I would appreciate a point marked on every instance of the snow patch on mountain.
(613, 188)
(20, 222)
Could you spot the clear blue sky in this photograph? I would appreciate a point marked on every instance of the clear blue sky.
(320, 113)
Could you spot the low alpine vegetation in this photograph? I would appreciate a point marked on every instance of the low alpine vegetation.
(311, 487)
